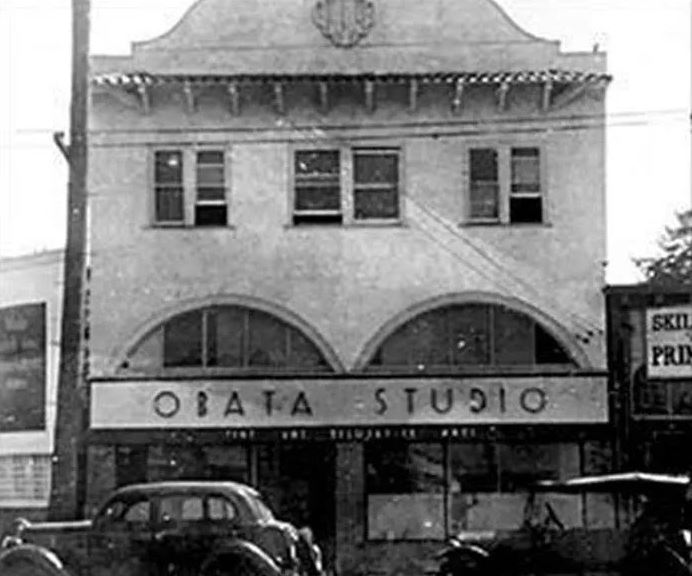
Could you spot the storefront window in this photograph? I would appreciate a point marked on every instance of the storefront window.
(424, 491)
(405, 491)
(177, 462)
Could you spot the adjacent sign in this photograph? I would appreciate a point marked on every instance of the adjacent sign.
(22, 367)
(347, 402)
(669, 342)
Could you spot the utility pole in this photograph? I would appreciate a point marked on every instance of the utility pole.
(69, 455)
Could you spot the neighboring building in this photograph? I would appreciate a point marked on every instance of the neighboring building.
(30, 305)
(351, 252)
(650, 363)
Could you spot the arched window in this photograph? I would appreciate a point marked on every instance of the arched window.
(469, 336)
(226, 338)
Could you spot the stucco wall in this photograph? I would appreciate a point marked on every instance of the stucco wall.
(346, 282)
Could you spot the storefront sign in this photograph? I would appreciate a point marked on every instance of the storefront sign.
(669, 342)
(347, 402)
(22, 367)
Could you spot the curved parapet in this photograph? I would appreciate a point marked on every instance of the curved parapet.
(345, 36)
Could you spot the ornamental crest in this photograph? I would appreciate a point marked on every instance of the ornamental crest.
(344, 22)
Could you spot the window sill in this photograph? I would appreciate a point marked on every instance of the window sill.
(349, 225)
(497, 223)
(189, 227)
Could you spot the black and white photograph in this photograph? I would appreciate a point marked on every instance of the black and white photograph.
(346, 288)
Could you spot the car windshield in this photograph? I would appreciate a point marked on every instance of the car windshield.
(259, 508)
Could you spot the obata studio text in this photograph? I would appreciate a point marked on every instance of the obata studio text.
(299, 404)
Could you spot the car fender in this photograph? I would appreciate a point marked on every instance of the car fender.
(43, 560)
(463, 557)
(265, 564)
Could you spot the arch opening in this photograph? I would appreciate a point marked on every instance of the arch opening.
(470, 337)
(225, 339)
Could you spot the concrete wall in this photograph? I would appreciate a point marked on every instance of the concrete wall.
(345, 281)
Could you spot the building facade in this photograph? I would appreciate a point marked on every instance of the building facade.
(650, 360)
(30, 309)
(350, 252)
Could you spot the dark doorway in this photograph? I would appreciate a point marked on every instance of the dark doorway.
(298, 479)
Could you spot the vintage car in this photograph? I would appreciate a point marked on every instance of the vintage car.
(656, 540)
(201, 528)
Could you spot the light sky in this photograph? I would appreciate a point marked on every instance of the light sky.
(648, 154)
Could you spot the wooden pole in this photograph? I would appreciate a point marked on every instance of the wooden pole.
(68, 469)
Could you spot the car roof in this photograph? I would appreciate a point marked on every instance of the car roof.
(622, 481)
(188, 486)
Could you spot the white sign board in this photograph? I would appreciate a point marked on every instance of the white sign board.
(669, 342)
(347, 402)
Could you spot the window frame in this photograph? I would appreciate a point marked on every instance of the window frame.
(347, 185)
(154, 187)
(525, 195)
(188, 153)
(504, 159)
(341, 212)
(222, 202)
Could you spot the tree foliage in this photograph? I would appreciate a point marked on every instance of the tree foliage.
(673, 266)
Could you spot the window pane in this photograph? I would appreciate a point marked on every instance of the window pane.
(182, 340)
(526, 210)
(227, 462)
(469, 329)
(422, 343)
(405, 486)
(523, 464)
(303, 354)
(210, 175)
(483, 186)
(473, 468)
(376, 168)
(484, 200)
(268, 344)
(168, 167)
(210, 215)
(548, 350)
(210, 157)
(483, 165)
(383, 203)
(318, 198)
(526, 176)
(220, 509)
(138, 512)
(513, 337)
(316, 162)
(177, 508)
(169, 204)
(225, 329)
(400, 468)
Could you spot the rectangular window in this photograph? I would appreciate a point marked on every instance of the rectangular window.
(376, 184)
(484, 186)
(417, 491)
(405, 488)
(168, 187)
(210, 205)
(525, 202)
(317, 193)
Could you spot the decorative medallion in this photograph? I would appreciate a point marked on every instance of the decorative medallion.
(344, 22)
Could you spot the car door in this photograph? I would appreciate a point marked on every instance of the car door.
(178, 532)
(121, 538)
